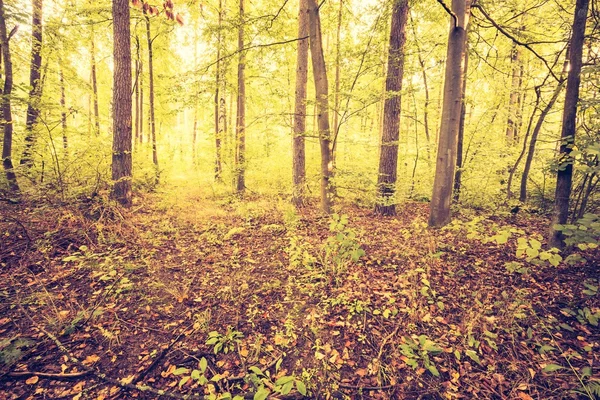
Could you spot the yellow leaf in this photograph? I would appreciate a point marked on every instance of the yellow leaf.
(127, 380)
(33, 380)
(169, 371)
(244, 352)
(524, 396)
(89, 360)
(362, 372)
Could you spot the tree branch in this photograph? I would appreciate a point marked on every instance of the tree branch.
(515, 40)
(450, 12)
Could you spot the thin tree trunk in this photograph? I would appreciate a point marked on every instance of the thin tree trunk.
(140, 116)
(514, 106)
(151, 97)
(95, 86)
(63, 104)
(427, 100)
(461, 127)
(121, 156)
(218, 150)
(447, 147)
(533, 142)
(5, 100)
(388, 156)
(322, 103)
(336, 97)
(298, 147)
(35, 94)
(564, 176)
(137, 89)
(240, 128)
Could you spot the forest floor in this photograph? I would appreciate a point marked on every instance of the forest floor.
(187, 296)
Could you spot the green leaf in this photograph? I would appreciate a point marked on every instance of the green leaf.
(535, 244)
(287, 388)
(180, 371)
(301, 387)
(203, 364)
(184, 380)
(433, 370)
(473, 356)
(256, 370)
(196, 374)
(262, 394)
(552, 368)
(284, 379)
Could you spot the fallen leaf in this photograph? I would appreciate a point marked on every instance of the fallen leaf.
(33, 380)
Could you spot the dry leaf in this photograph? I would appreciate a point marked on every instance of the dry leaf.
(89, 360)
(33, 380)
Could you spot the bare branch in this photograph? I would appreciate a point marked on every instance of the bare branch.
(449, 11)
(515, 40)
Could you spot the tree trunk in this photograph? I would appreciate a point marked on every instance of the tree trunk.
(298, 147)
(446, 157)
(534, 135)
(322, 103)
(388, 156)
(121, 156)
(95, 87)
(5, 100)
(63, 103)
(564, 176)
(427, 100)
(137, 90)
(336, 96)
(514, 106)
(240, 122)
(461, 127)
(151, 98)
(35, 83)
(218, 150)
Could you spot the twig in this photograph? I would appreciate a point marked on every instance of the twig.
(369, 388)
(157, 359)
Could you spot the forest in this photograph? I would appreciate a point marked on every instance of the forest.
(288, 199)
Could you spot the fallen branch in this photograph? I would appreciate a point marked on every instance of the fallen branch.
(368, 388)
(47, 375)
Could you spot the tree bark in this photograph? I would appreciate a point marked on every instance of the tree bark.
(447, 147)
(121, 156)
(322, 103)
(461, 127)
(564, 176)
(35, 83)
(240, 121)
(298, 147)
(336, 96)
(388, 156)
(427, 100)
(151, 100)
(5, 101)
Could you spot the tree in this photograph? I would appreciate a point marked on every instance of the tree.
(35, 82)
(152, 121)
(461, 127)
(5, 99)
(322, 103)
(218, 149)
(564, 175)
(441, 199)
(388, 159)
(121, 156)
(240, 122)
(299, 128)
(514, 105)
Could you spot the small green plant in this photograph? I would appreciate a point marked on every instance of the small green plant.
(584, 234)
(531, 249)
(515, 266)
(283, 385)
(417, 350)
(342, 248)
(224, 342)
